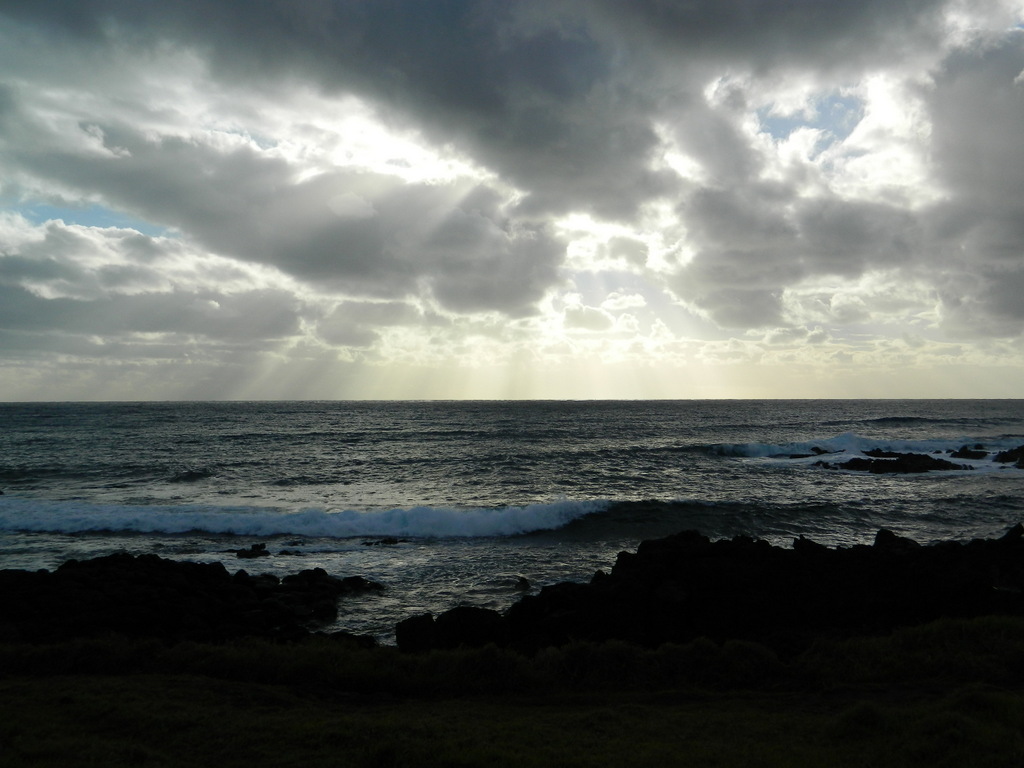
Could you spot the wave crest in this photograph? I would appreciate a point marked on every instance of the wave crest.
(21, 514)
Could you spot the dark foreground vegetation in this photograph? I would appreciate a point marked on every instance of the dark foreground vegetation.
(924, 690)
(945, 694)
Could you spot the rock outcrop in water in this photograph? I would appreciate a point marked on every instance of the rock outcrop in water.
(886, 462)
(685, 586)
(1014, 456)
(148, 596)
(878, 462)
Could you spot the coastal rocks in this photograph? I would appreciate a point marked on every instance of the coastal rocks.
(882, 462)
(462, 626)
(256, 550)
(1014, 456)
(877, 461)
(685, 586)
(148, 596)
(966, 452)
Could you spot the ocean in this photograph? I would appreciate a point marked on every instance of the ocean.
(450, 503)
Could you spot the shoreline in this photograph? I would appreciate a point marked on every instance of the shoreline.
(672, 589)
(939, 692)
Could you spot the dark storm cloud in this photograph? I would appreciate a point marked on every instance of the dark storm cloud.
(845, 238)
(559, 98)
(541, 104)
(767, 33)
(753, 242)
(569, 102)
(350, 231)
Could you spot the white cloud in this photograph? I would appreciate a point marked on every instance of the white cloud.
(617, 301)
(588, 319)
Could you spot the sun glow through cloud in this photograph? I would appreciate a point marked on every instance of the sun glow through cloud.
(502, 204)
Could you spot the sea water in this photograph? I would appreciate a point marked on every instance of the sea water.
(450, 503)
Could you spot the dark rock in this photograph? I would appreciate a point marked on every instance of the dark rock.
(465, 625)
(682, 587)
(887, 541)
(808, 546)
(1013, 536)
(416, 634)
(148, 596)
(878, 453)
(356, 584)
(883, 462)
(256, 550)
(964, 452)
(1014, 455)
(470, 626)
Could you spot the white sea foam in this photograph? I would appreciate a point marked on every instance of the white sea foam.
(21, 514)
(850, 444)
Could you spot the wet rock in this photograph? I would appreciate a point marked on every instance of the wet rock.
(1014, 455)
(879, 453)
(884, 462)
(256, 550)
(965, 452)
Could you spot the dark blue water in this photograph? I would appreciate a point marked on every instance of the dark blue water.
(482, 492)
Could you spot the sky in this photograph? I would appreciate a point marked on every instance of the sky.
(566, 199)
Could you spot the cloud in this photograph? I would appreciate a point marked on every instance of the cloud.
(239, 317)
(111, 292)
(349, 230)
(408, 181)
(763, 34)
(588, 319)
(357, 323)
(977, 109)
(540, 104)
(617, 301)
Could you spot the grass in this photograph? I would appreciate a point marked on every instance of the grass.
(947, 694)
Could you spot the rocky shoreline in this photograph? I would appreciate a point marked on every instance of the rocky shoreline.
(682, 587)
(149, 596)
(879, 462)
(671, 590)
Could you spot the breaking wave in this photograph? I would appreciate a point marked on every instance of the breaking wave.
(19, 514)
